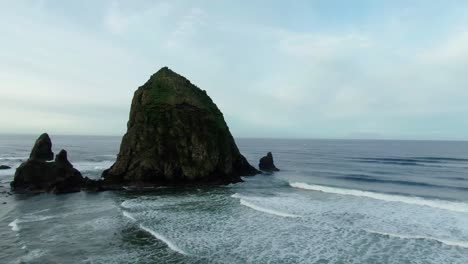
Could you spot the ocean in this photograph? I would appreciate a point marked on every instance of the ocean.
(334, 201)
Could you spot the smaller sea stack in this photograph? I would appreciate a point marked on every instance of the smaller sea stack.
(266, 163)
(40, 174)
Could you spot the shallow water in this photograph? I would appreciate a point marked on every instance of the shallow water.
(335, 201)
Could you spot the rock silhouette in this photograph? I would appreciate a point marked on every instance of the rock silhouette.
(176, 135)
(38, 175)
(42, 149)
(266, 163)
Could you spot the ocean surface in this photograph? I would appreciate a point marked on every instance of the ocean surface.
(334, 201)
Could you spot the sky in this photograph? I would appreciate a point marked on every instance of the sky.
(276, 69)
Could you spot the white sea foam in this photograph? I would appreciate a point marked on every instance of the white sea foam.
(443, 241)
(14, 158)
(14, 225)
(27, 219)
(129, 204)
(169, 243)
(129, 216)
(236, 195)
(439, 204)
(244, 202)
(35, 218)
(40, 211)
(266, 210)
(93, 165)
(32, 255)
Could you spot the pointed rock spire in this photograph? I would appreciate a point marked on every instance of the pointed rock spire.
(42, 149)
(266, 163)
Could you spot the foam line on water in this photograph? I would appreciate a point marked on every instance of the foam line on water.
(35, 218)
(14, 158)
(129, 216)
(261, 209)
(31, 256)
(439, 204)
(265, 210)
(27, 219)
(14, 225)
(443, 241)
(160, 237)
(125, 204)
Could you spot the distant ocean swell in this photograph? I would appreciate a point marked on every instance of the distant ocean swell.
(439, 204)
(368, 178)
(417, 161)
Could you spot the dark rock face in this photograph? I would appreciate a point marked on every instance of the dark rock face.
(176, 135)
(38, 175)
(266, 163)
(61, 160)
(4, 167)
(42, 149)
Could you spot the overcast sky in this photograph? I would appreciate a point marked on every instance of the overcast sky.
(307, 69)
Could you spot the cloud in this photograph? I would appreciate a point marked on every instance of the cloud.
(120, 20)
(186, 28)
(321, 46)
(364, 74)
(452, 51)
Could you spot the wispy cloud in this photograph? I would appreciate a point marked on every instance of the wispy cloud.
(330, 74)
(120, 18)
(186, 28)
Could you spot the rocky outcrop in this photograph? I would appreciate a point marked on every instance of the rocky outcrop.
(38, 174)
(4, 167)
(176, 135)
(266, 163)
(42, 149)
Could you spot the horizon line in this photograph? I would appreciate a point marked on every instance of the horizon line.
(254, 137)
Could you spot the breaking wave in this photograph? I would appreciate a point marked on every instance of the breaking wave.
(14, 225)
(439, 204)
(262, 209)
(160, 237)
(129, 216)
(443, 241)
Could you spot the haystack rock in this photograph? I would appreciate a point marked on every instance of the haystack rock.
(266, 163)
(40, 174)
(176, 135)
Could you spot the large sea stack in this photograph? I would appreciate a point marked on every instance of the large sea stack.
(176, 135)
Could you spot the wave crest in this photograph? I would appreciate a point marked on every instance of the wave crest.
(129, 216)
(439, 204)
(443, 241)
(160, 237)
(261, 209)
(14, 225)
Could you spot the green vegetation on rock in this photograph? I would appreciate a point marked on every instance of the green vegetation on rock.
(176, 135)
